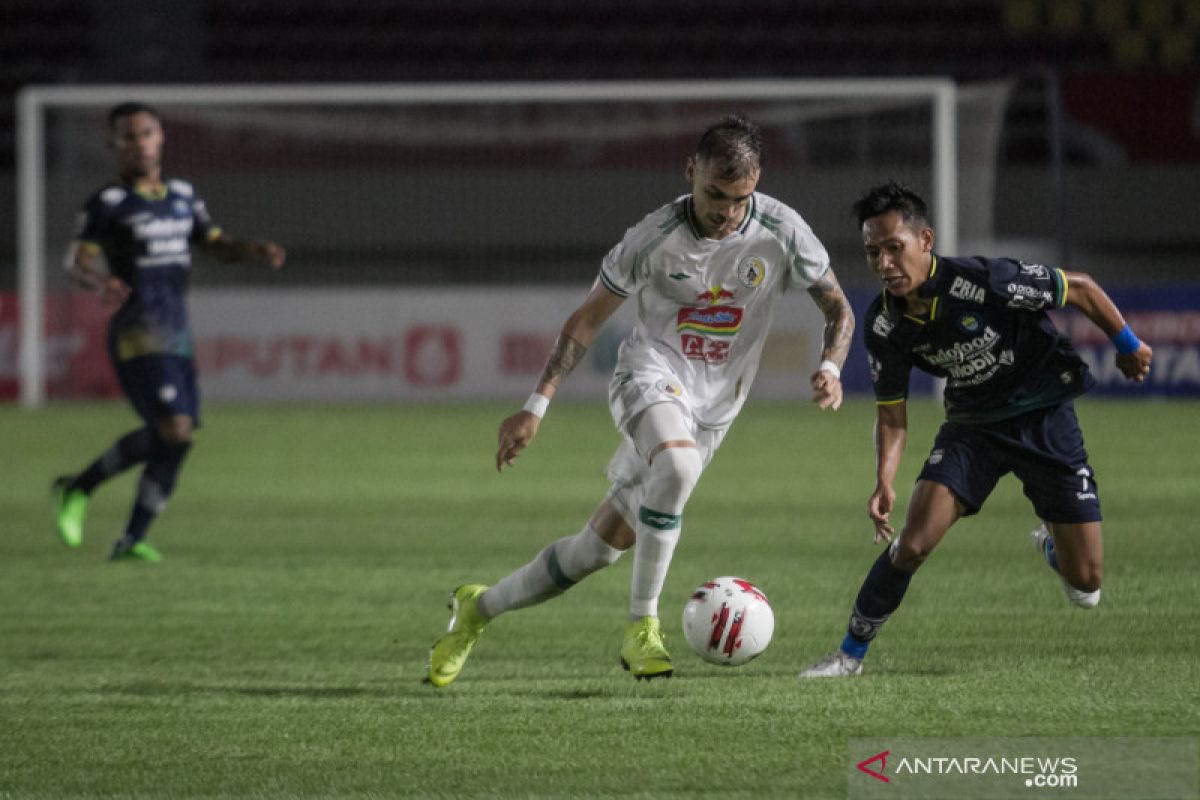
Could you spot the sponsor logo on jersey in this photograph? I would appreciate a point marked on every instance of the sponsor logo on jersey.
(971, 362)
(716, 321)
(678, 276)
(112, 195)
(751, 272)
(711, 351)
(960, 352)
(963, 289)
(715, 296)
(882, 326)
(1029, 298)
(1036, 270)
(936, 456)
(162, 228)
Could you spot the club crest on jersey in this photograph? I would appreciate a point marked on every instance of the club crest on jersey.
(751, 272)
(666, 387)
(969, 323)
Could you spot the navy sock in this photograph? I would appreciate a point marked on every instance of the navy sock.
(155, 487)
(132, 448)
(879, 596)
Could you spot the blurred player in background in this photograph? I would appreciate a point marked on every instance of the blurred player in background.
(707, 270)
(1011, 377)
(133, 248)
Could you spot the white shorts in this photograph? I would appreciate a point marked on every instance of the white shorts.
(632, 392)
(629, 469)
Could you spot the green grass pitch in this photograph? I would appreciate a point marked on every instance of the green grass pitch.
(277, 649)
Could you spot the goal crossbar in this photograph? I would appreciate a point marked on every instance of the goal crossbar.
(33, 101)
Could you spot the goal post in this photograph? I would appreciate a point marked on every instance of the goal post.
(798, 101)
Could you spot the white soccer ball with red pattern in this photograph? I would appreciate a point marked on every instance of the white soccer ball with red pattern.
(728, 621)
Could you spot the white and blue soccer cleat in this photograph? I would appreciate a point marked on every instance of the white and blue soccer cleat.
(1045, 545)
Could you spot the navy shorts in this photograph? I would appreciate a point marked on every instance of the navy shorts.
(1043, 448)
(160, 386)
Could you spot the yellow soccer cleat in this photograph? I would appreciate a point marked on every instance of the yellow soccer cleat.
(643, 652)
(70, 508)
(450, 652)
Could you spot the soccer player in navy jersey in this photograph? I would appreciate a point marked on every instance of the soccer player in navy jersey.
(1011, 377)
(133, 248)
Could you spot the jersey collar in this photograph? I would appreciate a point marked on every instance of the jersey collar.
(694, 225)
(154, 194)
(898, 306)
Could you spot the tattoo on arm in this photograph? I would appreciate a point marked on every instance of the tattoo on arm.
(839, 319)
(567, 353)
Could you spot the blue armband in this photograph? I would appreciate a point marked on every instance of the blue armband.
(1126, 341)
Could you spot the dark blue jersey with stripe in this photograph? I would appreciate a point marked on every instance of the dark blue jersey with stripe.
(146, 241)
(987, 333)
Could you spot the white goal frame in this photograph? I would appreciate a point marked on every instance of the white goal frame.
(33, 101)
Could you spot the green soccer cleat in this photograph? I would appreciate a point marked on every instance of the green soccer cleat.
(449, 654)
(70, 508)
(125, 550)
(643, 652)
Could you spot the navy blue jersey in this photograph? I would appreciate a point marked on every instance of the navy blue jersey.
(147, 243)
(987, 334)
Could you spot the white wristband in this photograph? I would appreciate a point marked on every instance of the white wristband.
(537, 405)
(829, 366)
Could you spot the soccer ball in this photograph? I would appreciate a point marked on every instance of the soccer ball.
(728, 621)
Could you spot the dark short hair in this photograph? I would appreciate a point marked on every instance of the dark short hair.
(123, 110)
(892, 196)
(734, 145)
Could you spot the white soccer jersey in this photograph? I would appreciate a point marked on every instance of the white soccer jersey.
(704, 305)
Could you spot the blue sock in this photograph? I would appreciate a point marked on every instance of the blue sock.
(155, 488)
(879, 596)
(1048, 552)
(132, 448)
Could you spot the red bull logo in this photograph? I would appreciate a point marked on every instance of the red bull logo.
(714, 296)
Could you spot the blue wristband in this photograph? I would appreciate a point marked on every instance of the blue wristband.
(1126, 342)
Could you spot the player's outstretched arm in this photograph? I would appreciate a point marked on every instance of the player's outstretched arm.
(263, 252)
(891, 431)
(1133, 356)
(83, 264)
(578, 333)
(839, 330)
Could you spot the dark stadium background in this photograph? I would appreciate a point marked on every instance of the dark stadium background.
(1095, 170)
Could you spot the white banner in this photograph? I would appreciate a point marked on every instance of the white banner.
(415, 344)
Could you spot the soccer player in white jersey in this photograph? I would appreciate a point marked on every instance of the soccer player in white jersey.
(706, 270)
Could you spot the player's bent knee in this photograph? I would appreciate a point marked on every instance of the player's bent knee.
(677, 470)
(909, 553)
(175, 430)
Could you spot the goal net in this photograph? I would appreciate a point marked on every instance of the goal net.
(456, 192)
